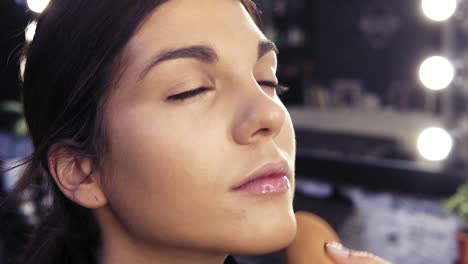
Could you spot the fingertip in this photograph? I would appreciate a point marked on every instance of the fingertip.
(337, 250)
(342, 255)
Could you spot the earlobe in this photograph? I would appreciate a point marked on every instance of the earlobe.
(76, 179)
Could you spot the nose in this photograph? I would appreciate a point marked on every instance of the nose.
(260, 117)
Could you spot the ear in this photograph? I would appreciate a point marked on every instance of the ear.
(75, 178)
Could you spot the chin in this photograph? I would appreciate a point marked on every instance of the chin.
(269, 236)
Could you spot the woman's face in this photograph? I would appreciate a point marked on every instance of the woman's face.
(178, 153)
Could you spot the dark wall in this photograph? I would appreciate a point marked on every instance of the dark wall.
(373, 40)
(377, 42)
(13, 20)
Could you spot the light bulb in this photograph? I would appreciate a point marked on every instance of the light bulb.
(436, 73)
(37, 5)
(435, 144)
(439, 10)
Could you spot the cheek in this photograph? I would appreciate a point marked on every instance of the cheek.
(168, 180)
(150, 155)
(162, 173)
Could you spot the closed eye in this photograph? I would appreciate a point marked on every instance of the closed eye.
(188, 94)
(280, 89)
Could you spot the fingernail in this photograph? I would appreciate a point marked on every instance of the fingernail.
(336, 248)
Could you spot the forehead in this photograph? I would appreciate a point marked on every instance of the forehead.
(224, 24)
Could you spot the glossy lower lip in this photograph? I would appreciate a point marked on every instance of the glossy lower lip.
(272, 184)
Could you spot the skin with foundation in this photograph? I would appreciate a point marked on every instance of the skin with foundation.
(200, 150)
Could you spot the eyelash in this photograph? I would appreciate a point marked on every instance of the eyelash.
(189, 94)
(280, 89)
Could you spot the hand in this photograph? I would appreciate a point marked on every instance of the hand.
(342, 255)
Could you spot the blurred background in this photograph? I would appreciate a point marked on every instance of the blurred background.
(379, 100)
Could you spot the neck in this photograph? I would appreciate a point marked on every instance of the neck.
(118, 246)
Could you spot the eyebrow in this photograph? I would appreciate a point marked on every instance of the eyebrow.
(266, 46)
(203, 53)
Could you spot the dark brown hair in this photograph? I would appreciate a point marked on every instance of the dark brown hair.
(71, 63)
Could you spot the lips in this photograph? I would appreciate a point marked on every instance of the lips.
(269, 179)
